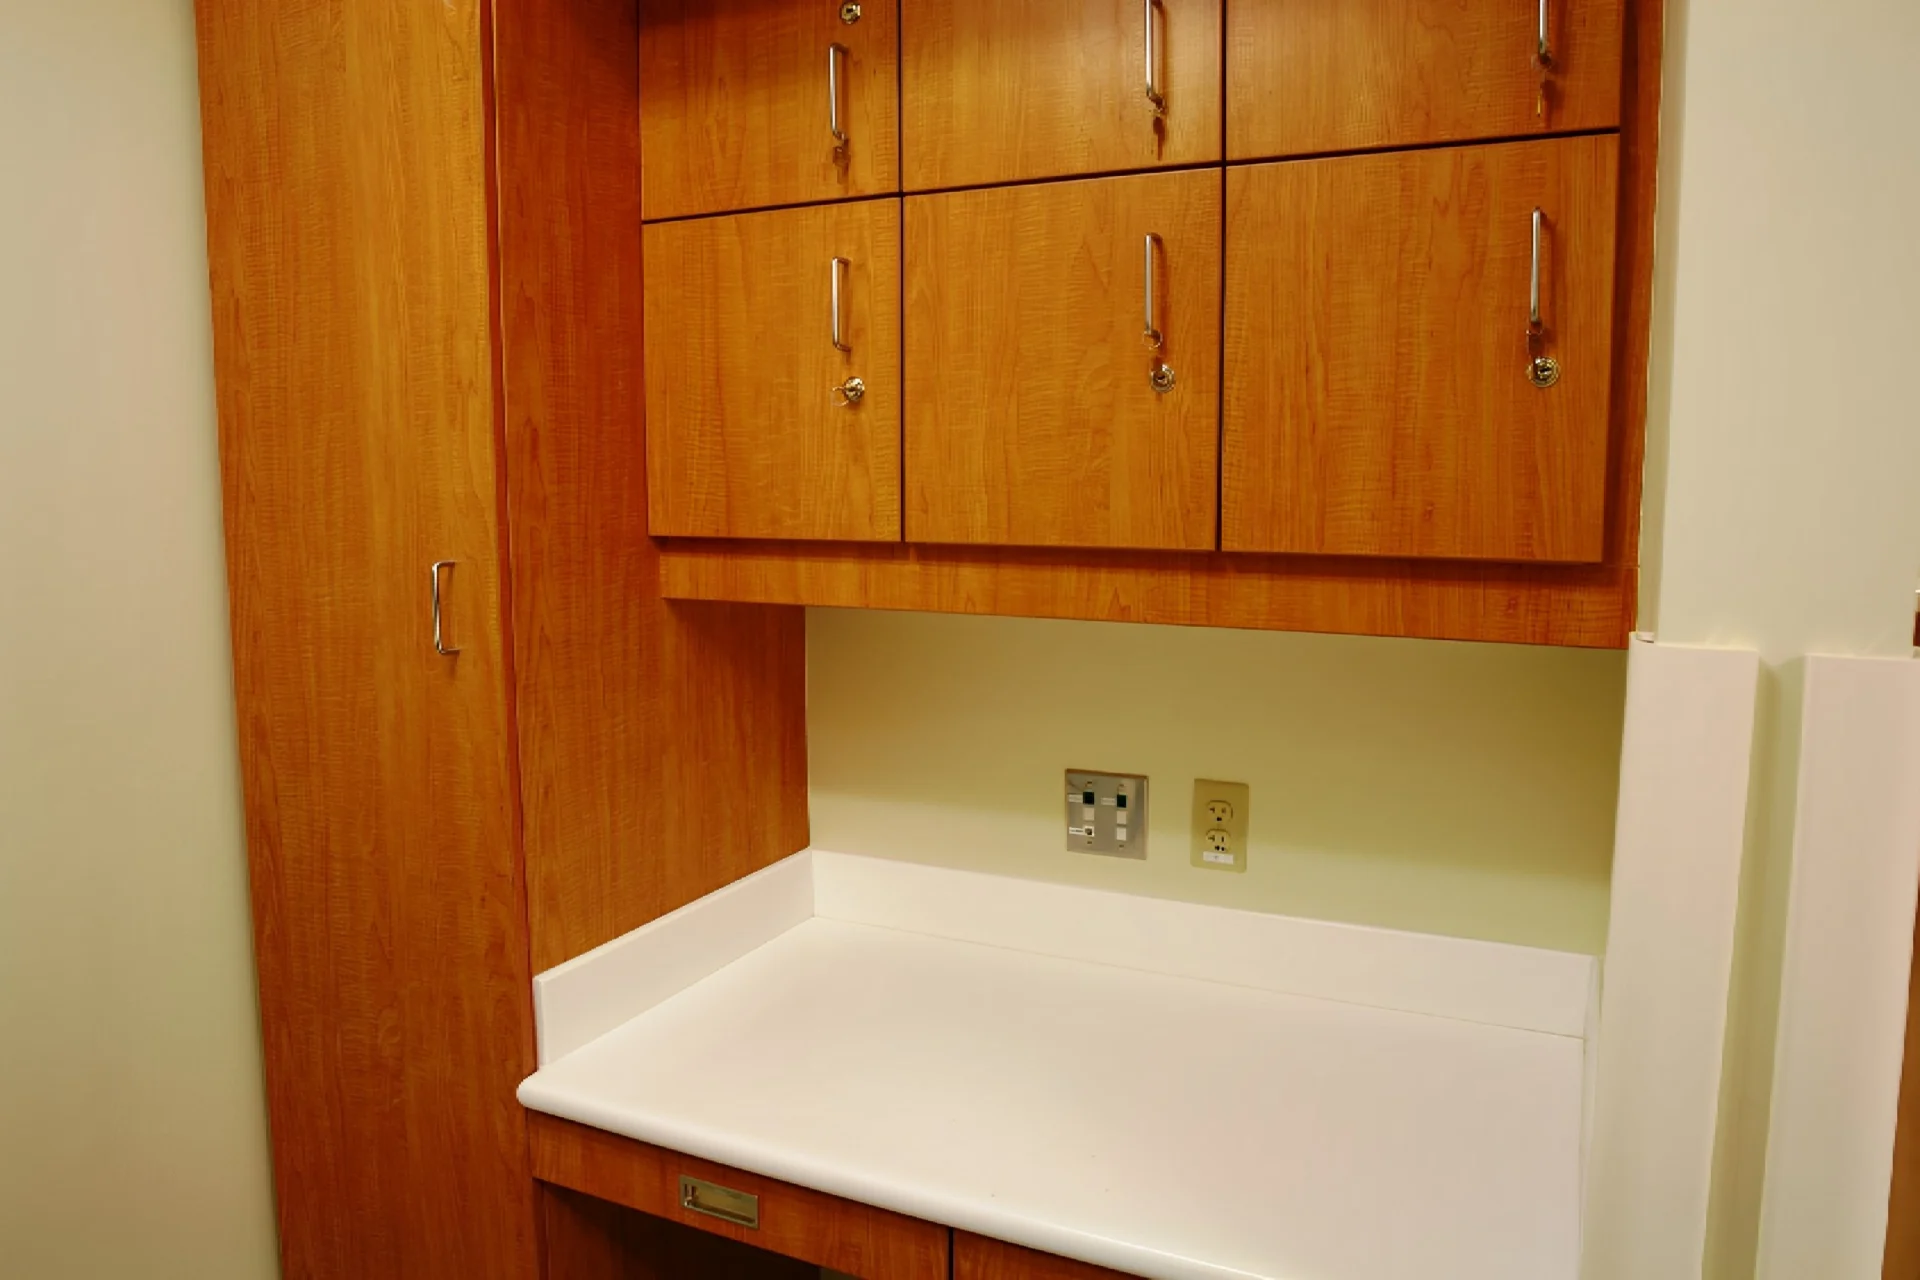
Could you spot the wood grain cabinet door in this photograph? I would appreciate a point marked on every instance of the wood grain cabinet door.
(747, 104)
(1309, 76)
(1379, 398)
(1005, 90)
(754, 429)
(1033, 417)
(979, 1258)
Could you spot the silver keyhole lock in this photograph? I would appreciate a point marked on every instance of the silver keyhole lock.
(1543, 372)
(1162, 378)
(850, 12)
(849, 392)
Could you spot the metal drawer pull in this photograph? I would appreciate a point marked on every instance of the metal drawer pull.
(1545, 52)
(835, 54)
(1159, 375)
(840, 268)
(439, 635)
(1542, 371)
(737, 1207)
(1155, 98)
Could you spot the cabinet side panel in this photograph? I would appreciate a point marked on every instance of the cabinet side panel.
(347, 211)
(662, 746)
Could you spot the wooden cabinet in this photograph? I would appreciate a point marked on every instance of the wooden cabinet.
(773, 386)
(1033, 415)
(746, 104)
(979, 1258)
(1307, 76)
(1005, 90)
(1379, 309)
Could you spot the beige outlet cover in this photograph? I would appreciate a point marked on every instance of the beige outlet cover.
(1218, 807)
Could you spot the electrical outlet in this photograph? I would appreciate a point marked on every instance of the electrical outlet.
(1220, 825)
(1106, 813)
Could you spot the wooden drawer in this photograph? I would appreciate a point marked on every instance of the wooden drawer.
(1005, 90)
(978, 1258)
(738, 99)
(1307, 76)
(857, 1239)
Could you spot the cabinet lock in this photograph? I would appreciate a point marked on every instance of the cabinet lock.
(849, 392)
(1543, 372)
(1161, 378)
(850, 12)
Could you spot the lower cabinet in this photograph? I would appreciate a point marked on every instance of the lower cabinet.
(773, 374)
(978, 1258)
(1063, 363)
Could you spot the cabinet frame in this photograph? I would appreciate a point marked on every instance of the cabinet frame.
(1580, 605)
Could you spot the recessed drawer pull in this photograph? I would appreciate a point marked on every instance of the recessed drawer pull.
(737, 1207)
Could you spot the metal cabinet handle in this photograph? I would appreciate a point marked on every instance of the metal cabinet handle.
(740, 1208)
(1543, 371)
(1534, 327)
(1153, 336)
(1155, 98)
(840, 267)
(439, 633)
(1545, 51)
(835, 54)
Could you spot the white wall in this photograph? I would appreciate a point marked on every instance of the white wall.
(1465, 789)
(132, 1126)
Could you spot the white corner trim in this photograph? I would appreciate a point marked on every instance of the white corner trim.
(588, 996)
(1679, 839)
(1844, 971)
(1483, 982)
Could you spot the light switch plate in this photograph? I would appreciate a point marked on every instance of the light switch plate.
(1106, 813)
(1220, 825)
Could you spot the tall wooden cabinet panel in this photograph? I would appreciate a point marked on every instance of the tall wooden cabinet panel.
(350, 263)
(1033, 414)
(1379, 311)
(1004, 90)
(746, 104)
(773, 374)
(1344, 75)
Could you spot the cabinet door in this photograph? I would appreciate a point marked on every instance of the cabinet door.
(1342, 75)
(1378, 341)
(1034, 416)
(978, 1258)
(746, 104)
(751, 428)
(1003, 90)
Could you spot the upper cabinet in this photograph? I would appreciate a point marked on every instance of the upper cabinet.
(747, 104)
(1008, 90)
(1063, 363)
(1312, 76)
(1421, 354)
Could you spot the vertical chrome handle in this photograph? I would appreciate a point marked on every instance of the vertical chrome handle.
(1155, 98)
(1152, 335)
(439, 633)
(840, 266)
(1545, 51)
(835, 53)
(1534, 327)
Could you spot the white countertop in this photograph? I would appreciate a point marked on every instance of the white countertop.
(1162, 1125)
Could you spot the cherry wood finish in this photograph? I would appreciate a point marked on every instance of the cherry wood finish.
(346, 167)
(1307, 76)
(632, 712)
(1377, 337)
(1032, 419)
(1901, 1260)
(794, 1221)
(1005, 90)
(590, 1239)
(745, 437)
(1591, 605)
(979, 1258)
(735, 112)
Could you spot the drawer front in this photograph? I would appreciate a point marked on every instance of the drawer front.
(1379, 347)
(1006, 90)
(740, 101)
(1033, 416)
(751, 431)
(812, 1226)
(978, 1258)
(1307, 76)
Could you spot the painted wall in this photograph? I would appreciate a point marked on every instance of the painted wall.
(1453, 788)
(131, 1113)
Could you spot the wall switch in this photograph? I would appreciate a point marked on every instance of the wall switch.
(1220, 825)
(1106, 813)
